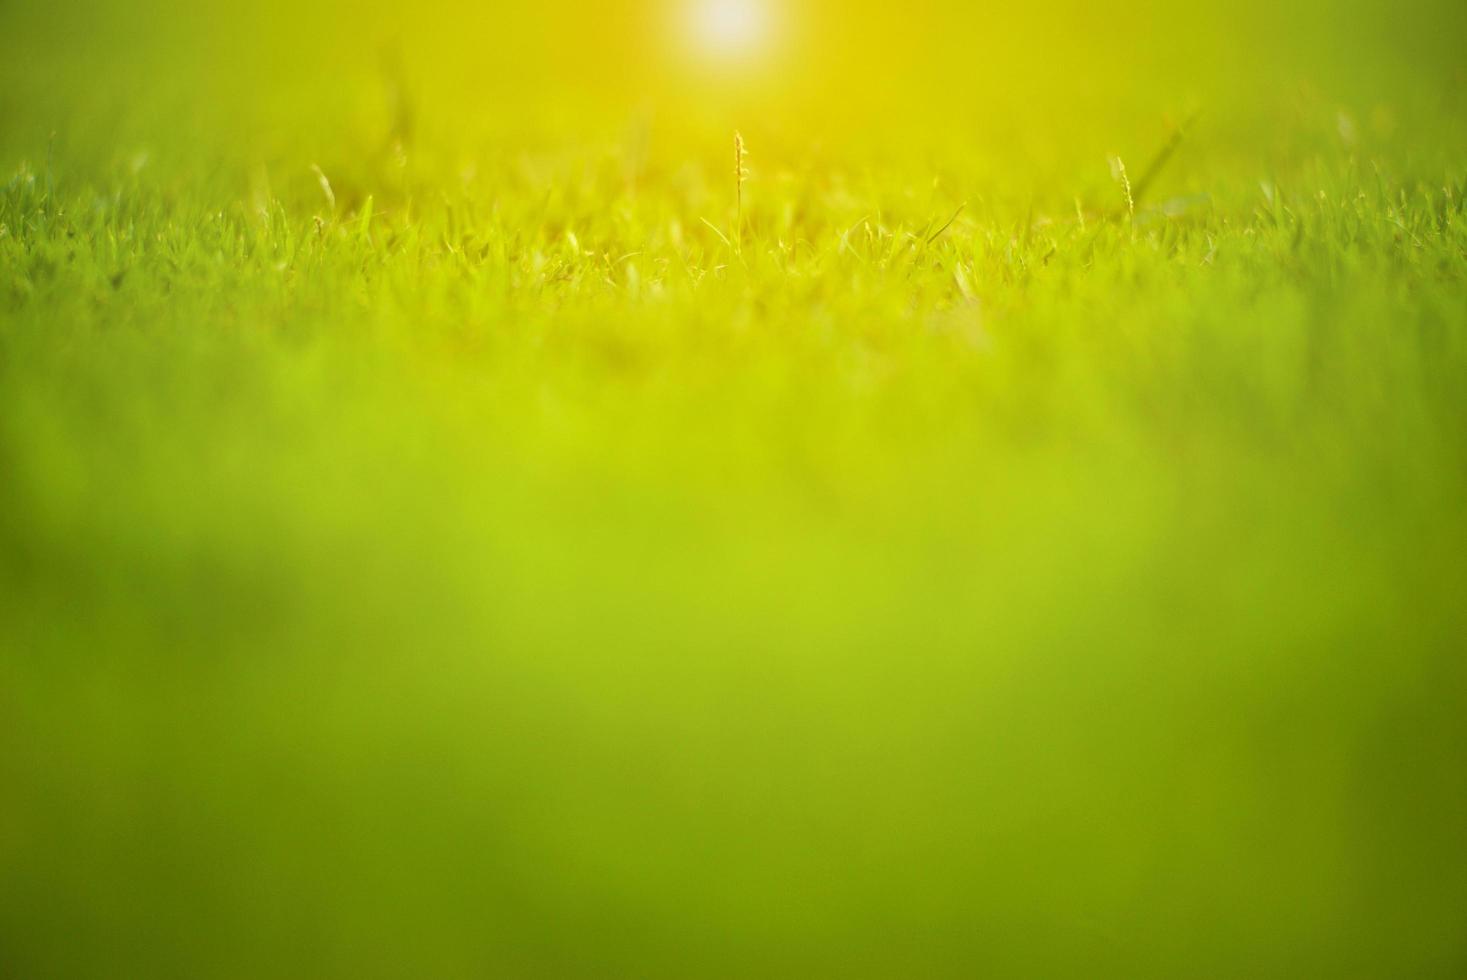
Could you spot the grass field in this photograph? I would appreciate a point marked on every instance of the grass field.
(451, 525)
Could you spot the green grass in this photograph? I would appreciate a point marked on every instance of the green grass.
(478, 558)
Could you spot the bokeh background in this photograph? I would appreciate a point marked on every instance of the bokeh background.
(412, 610)
(1035, 86)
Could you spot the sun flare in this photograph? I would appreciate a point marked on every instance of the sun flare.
(730, 28)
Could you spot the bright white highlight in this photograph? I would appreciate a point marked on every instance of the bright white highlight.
(729, 27)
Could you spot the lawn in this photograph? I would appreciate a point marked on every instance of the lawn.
(459, 520)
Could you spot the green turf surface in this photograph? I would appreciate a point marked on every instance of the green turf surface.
(441, 537)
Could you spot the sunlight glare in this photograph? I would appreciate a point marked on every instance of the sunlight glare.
(729, 27)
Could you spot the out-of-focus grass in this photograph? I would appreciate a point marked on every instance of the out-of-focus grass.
(485, 571)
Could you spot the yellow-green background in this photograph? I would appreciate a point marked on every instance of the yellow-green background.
(504, 567)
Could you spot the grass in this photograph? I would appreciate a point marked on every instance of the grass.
(439, 550)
